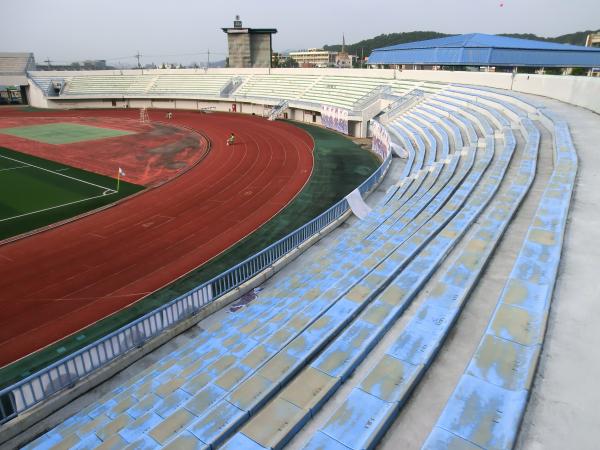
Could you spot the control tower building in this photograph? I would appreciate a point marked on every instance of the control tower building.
(249, 47)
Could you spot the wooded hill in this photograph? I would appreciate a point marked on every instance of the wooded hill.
(365, 47)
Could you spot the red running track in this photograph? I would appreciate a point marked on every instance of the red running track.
(57, 282)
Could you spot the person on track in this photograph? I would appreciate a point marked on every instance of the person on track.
(231, 139)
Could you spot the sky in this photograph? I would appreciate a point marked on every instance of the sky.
(183, 30)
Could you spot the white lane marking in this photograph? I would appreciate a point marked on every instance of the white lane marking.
(12, 168)
(54, 172)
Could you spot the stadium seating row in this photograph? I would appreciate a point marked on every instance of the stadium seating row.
(136, 85)
(387, 386)
(333, 90)
(356, 424)
(495, 387)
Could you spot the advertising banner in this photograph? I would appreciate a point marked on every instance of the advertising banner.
(335, 118)
(381, 140)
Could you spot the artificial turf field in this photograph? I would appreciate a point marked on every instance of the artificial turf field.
(35, 192)
(62, 133)
(340, 166)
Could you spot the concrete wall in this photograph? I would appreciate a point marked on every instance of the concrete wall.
(260, 49)
(579, 91)
(491, 79)
(239, 50)
(36, 96)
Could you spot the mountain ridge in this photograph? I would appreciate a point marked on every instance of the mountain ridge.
(365, 46)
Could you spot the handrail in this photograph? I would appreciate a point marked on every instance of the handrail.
(231, 86)
(36, 388)
(371, 96)
(278, 109)
(401, 104)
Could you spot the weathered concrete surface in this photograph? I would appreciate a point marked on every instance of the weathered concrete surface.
(563, 410)
(422, 410)
(374, 357)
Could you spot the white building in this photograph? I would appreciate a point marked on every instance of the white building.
(314, 57)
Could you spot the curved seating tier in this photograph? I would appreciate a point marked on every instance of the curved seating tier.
(145, 85)
(495, 387)
(341, 91)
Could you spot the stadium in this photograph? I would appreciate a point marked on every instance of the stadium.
(264, 258)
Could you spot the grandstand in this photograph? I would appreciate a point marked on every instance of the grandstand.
(148, 85)
(305, 90)
(423, 324)
(13, 71)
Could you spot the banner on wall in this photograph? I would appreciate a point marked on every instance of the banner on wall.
(335, 118)
(381, 140)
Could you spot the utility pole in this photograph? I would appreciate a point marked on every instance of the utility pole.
(208, 59)
(362, 57)
(139, 64)
(48, 61)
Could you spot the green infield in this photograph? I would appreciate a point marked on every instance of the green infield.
(35, 192)
(340, 165)
(62, 133)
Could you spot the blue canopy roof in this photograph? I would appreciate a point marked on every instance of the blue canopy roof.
(487, 50)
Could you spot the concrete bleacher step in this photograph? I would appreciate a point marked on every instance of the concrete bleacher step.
(410, 134)
(173, 396)
(392, 378)
(346, 350)
(477, 118)
(434, 129)
(432, 150)
(428, 187)
(398, 189)
(396, 198)
(407, 143)
(487, 108)
(452, 128)
(457, 116)
(495, 387)
(314, 346)
(400, 207)
(510, 203)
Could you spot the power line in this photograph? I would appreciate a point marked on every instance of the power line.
(138, 56)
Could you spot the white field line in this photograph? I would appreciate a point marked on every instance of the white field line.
(106, 191)
(54, 172)
(12, 168)
(112, 191)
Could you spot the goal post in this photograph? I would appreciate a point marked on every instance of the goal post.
(144, 116)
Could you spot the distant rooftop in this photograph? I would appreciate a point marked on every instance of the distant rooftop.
(487, 50)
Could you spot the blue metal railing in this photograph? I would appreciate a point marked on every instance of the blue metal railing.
(64, 373)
